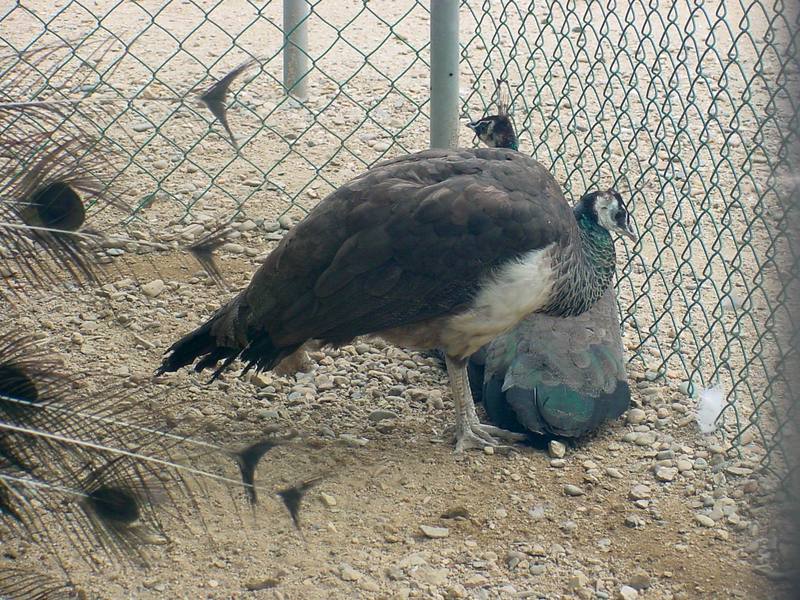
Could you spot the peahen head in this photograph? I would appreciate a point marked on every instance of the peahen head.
(607, 210)
(496, 131)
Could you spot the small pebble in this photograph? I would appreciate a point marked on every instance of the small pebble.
(380, 415)
(434, 399)
(666, 473)
(573, 490)
(640, 580)
(353, 440)
(537, 512)
(327, 499)
(634, 521)
(476, 580)
(348, 573)
(636, 416)
(704, 520)
(154, 288)
(232, 248)
(626, 592)
(260, 380)
(271, 227)
(456, 591)
(556, 449)
(569, 526)
(369, 585)
(430, 575)
(513, 558)
(578, 580)
(738, 471)
(247, 225)
(537, 569)
(324, 382)
(434, 532)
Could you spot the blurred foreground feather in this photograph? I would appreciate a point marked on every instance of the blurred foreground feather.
(203, 252)
(98, 471)
(216, 97)
(58, 171)
(54, 170)
(100, 458)
(293, 496)
(18, 584)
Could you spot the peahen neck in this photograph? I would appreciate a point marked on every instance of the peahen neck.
(509, 141)
(504, 134)
(585, 274)
(586, 271)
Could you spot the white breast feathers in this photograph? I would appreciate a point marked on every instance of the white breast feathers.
(508, 295)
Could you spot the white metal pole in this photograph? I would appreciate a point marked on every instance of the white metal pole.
(295, 47)
(444, 73)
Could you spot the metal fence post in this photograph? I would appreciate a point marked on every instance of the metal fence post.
(444, 73)
(295, 47)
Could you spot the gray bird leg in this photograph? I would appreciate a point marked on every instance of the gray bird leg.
(470, 432)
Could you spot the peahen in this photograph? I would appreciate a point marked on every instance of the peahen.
(439, 249)
(551, 375)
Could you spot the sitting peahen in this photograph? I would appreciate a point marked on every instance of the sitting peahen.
(551, 375)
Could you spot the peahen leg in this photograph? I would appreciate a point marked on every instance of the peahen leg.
(470, 432)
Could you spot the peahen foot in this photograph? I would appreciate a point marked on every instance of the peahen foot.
(470, 433)
(477, 436)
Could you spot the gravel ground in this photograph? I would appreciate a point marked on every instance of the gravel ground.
(647, 508)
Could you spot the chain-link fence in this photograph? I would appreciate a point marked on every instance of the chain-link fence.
(692, 109)
(687, 107)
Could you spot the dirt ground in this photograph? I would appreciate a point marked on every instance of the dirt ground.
(647, 508)
(512, 528)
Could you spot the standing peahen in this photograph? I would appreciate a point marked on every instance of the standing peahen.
(551, 375)
(442, 248)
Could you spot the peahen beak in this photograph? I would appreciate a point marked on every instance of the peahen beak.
(629, 232)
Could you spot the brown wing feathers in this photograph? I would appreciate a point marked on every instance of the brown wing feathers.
(407, 241)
